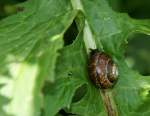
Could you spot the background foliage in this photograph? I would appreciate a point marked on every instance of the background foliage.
(43, 56)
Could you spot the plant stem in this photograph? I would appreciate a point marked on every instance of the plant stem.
(108, 102)
(90, 44)
(88, 36)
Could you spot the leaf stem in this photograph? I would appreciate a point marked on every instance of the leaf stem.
(90, 44)
(87, 33)
(108, 102)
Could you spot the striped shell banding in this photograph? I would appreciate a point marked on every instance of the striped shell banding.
(102, 70)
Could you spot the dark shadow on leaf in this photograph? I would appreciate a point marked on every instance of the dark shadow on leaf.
(64, 112)
(80, 93)
(47, 87)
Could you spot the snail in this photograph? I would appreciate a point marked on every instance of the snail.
(102, 70)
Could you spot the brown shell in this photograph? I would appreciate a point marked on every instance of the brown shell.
(102, 70)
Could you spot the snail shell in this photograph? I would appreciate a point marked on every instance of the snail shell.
(102, 70)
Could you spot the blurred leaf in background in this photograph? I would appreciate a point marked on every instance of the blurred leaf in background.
(138, 53)
(138, 50)
(8, 7)
(135, 8)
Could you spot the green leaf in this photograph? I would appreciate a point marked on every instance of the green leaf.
(29, 45)
(29, 42)
(69, 77)
(21, 89)
(110, 31)
(3, 101)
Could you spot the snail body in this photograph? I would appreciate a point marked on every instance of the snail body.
(102, 70)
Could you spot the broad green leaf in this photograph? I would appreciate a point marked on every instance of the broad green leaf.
(69, 77)
(110, 31)
(29, 42)
(21, 89)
